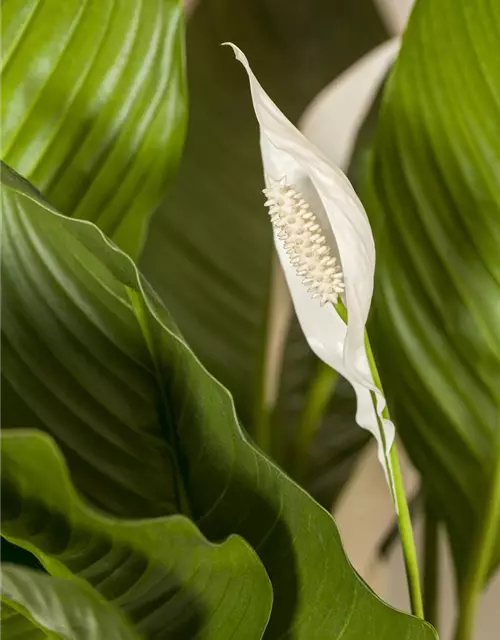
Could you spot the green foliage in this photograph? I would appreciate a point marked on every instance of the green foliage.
(434, 198)
(91, 357)
(94, 106)
(162, 574)
(35, 605)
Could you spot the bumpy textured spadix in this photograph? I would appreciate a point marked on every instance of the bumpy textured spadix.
(297, 228)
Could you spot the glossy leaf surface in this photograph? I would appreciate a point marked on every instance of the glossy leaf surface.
(433, 193)
(49, 607)
(94, 106)
(92, 357)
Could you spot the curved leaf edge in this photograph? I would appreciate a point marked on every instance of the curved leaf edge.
(87, 593)
(90, 235)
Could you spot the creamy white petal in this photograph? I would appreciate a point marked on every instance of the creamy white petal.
(286, 153)
(334, 117)
(394, 13)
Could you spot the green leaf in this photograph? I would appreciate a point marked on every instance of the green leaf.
(62, 608)
(91, 356)
(434, 198)
(15, 626)
(94, 105)
(161, 573)
(214, 229)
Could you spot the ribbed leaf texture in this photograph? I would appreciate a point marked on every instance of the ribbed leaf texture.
(92, 358)
(433, 194)
(94, 105)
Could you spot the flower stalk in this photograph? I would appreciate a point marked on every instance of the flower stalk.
(398, 491)
(325, 245)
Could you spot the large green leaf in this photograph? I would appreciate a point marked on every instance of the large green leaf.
(161, 573)
(91, 356)
(209, 252)
(93, 105)
(50, 607)
(434, 198)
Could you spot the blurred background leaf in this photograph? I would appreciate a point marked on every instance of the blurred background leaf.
(433, 193)
(94, 106)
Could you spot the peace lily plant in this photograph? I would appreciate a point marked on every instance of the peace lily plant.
(178, 414)
(326, 249)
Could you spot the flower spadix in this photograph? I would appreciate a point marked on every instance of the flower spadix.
(325, 245)
(300, 233)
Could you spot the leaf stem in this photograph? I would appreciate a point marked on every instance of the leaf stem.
(483, 549)
(431, 566)
(318, 395)
(398, 491)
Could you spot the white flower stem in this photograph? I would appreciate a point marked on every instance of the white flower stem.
(399, 494)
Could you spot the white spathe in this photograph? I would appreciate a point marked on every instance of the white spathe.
(332, 120)
(288, 155)
(394, 13)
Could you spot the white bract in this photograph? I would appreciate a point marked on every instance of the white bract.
(394, 13)
(325, 245)
(332, 120)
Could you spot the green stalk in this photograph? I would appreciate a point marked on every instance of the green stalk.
(406, 535)
(398, 491)
(431, 567)
(484, 546)
(318, 395)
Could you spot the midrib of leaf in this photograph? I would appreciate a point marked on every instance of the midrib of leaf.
(141, 313)
(105, 423)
